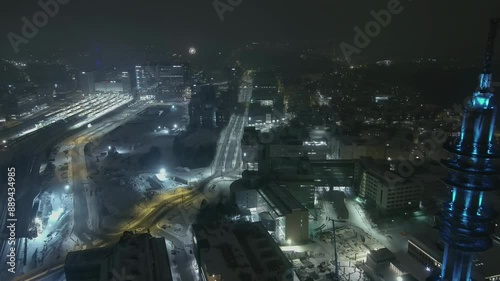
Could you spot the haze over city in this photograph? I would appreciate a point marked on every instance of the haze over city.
(249, 140)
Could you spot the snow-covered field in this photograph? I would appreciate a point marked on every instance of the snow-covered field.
(115, 167)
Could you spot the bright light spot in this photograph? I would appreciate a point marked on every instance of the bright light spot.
(109, 147)
(4, 141)
(427, 269)
(192, 51)
(399, 278)
(163, 171)
(173, 106)
(56, 214)
(175, 126)
(289, 241)
(89, 125)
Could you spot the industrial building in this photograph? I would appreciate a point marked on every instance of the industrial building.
(283, 143)
(283, 159)
(239, 252)
(138, 256)
(280, 212)
(382, 265)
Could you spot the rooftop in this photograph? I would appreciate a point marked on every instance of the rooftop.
(382, 255)
(243, 251)
(140, 255)
(486, 263)
(281, 201)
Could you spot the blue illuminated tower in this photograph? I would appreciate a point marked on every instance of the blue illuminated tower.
(473, 163)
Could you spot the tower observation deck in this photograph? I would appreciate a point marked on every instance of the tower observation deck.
(473, 166)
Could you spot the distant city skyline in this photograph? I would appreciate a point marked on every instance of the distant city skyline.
(422, 29)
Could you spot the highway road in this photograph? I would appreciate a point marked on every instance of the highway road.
(86, 210)
(86, 223)
(229, 148)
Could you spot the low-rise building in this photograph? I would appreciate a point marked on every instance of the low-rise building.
(239, 252)
(109, 86)
(290, 218)
(428, 248)
(280, 212)
(138, 256)
(382, 265)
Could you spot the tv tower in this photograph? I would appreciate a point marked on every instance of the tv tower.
(473, 163)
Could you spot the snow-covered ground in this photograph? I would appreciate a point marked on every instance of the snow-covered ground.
(115, 168)
(54, 220)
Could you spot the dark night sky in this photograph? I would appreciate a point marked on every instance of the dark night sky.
(424, 27)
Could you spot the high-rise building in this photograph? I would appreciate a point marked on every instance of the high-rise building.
(203, 108)
(172, 75)
(137, 256)
(87, 82)
(126, 82)
(234, 75)
(140, 78)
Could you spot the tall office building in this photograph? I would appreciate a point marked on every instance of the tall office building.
(87, 82)
(140, 78)
(126, 82)
(203, 108)
(176, 74)
(234, 75)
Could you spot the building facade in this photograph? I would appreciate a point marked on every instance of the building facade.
(87, 82)
(375, 187)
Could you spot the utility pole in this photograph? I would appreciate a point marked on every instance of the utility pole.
(335, 257)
